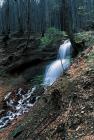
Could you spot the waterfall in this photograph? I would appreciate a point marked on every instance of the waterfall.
(20, 101)
(1, 3)
(65, 50)
(56, 68)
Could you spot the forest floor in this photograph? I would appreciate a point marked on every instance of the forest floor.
(65, 111)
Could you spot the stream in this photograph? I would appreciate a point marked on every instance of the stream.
(20, 101)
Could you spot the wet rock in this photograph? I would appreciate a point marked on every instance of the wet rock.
(4, 105)
(2, 112)
(33, 100)
(14, 60)
(38, 91)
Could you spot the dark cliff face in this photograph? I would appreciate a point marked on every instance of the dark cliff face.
(16, 59)
(17, 15)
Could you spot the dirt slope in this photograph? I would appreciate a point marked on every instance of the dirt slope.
(65, 111)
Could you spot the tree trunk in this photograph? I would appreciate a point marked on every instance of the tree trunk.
(66, 22)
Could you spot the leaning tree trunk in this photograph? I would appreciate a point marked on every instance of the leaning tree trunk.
(67, 23)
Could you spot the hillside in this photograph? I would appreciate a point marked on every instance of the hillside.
(65, 110)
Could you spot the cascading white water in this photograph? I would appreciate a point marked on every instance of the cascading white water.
(18, 103)
(1, 3)
(55, 69)
(65, 50)
(21, 101)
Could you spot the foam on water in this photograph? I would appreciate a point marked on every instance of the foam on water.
(18, 103)
(55, 70)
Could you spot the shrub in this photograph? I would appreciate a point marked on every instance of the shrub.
(37, 80)
(87, 36)
(51, 35)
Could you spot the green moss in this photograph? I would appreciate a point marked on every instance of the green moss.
(3, 73)
(91, 58)
(17, 131)
(37, 80)
(86, 36)
(52, 35)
